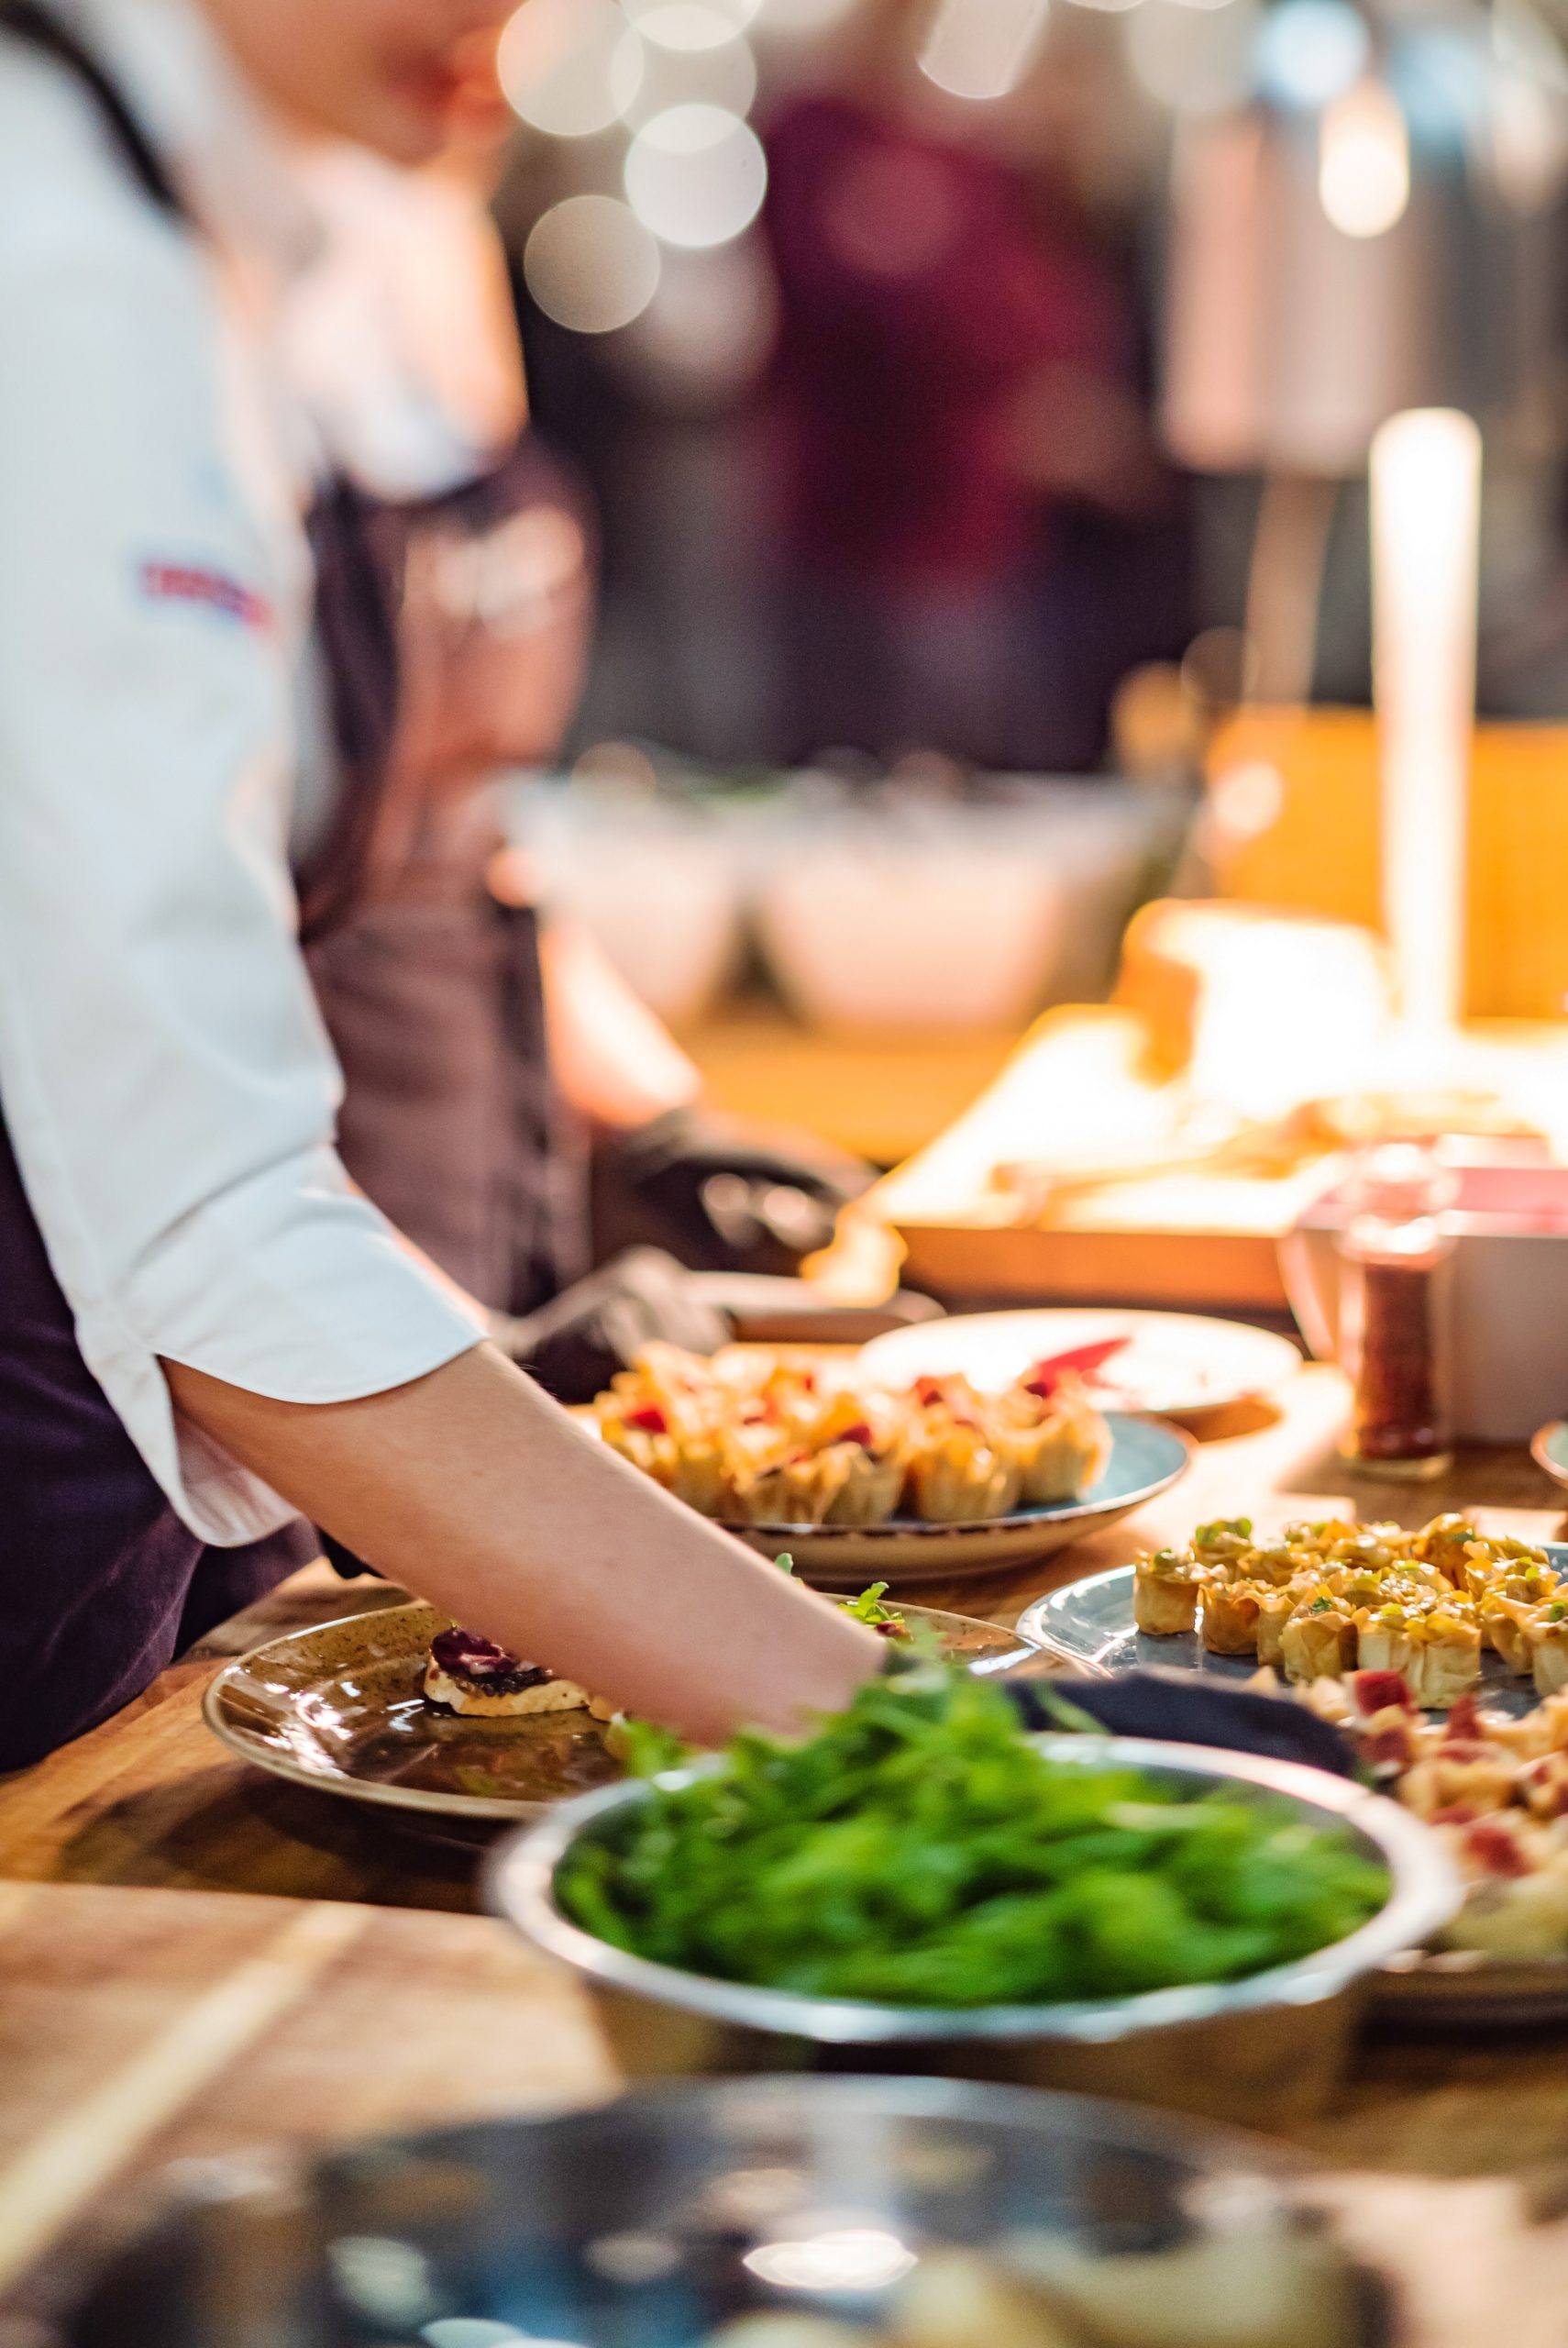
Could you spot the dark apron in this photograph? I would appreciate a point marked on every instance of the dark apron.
(431, 993)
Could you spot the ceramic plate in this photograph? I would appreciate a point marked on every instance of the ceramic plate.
(1146, 1457)
(338, 1707)
(1089, 1623)
(1549, 1450)
(1177, 1365)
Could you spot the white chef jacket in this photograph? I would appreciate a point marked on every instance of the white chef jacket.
(166, 1082)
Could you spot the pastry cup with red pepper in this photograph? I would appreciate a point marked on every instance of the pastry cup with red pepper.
(957, 1476)
(1059, 1442)
(689, 1463)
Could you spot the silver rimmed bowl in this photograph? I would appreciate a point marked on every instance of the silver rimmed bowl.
(1264, 2049)
(669, 2217)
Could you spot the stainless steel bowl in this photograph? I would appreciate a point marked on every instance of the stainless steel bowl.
(1266, 2049)
(653, 2221)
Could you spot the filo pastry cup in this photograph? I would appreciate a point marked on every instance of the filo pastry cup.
(1229, 1613)
(1060, 1444)
(1318, 1641)
(1549, 1648)
(689, 1462)
(800, 1489)
(1444, 1657)
(956, 1475)
(1165, 1593)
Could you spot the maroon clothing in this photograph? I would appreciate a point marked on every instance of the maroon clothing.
(919, 288)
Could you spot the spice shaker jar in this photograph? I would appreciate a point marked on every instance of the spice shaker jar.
(1396, 1312)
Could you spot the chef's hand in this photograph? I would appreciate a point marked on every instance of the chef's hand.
(575, 1344)
(728, 1194)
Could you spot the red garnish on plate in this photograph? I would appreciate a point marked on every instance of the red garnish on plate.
(1374, 1691)
(1047, 1374)
(1463, 1724)
(650, 1418)
(859, 1433)
(1388, 1747)
(1490, 1843)
(465, 1651)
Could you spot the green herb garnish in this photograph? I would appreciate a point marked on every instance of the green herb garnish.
(869, 1606)
(919, 1850)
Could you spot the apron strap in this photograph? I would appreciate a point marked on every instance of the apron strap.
(25, 21)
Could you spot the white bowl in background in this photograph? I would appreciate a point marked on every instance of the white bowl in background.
(950, 921)
(657, 887)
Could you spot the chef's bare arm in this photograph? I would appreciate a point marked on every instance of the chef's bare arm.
(472, 1488)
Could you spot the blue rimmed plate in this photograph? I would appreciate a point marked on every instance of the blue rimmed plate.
(1146, 1457)
(1090, 1624)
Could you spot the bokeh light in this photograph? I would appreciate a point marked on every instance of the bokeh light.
(687, 25)
(590, 264)
(1364, 161)
(801, 18)
(569, 67)
(708, 331)
(735, 13)
(1440, 76)
(1311, 51)
(1196, 61)
(695, 175)
(981, 49)
(723, 75)
(1527, 139)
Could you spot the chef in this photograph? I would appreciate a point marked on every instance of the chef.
(204, 1328)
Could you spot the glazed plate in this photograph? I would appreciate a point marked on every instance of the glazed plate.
(339, 1707)
(1088, 1624)
(1179, 1365)
(1146, 1458)
(1549, 1450)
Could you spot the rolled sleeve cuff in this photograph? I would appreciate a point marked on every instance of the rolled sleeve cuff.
(292, 1287)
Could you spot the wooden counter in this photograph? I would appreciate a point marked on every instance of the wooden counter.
(152, 1799)
(158, 2000)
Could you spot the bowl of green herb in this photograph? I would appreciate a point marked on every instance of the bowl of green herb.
(922, 1885)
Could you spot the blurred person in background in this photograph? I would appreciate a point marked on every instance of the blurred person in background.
(205, 1327)
(485, 1047)
(976, 525)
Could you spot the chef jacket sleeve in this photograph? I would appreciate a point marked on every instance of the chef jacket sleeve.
(168, 1086)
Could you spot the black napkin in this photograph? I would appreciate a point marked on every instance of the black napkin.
(1182, 1708)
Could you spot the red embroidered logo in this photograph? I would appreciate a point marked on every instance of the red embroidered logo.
(183, 583)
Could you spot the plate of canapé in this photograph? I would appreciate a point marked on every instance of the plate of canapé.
(400, 1710)
(1442, 1654)
(930, 1480)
